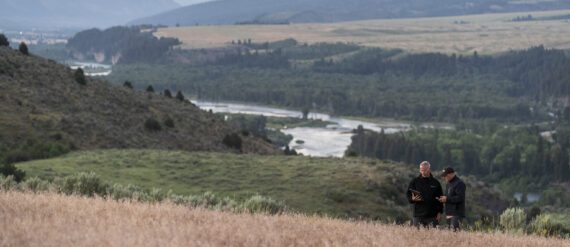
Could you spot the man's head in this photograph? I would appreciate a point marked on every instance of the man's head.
(425, 169)
(448, 174)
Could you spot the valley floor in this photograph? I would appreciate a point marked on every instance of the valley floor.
(55, 220)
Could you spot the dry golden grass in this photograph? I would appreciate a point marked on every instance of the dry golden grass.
(489, 33)
(56, 220)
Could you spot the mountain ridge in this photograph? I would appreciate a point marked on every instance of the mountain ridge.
(295, 11)
(72, 14)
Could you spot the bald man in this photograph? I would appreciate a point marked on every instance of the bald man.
(423, 193)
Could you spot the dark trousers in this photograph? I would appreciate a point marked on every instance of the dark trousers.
(455, 223)
(426, 222)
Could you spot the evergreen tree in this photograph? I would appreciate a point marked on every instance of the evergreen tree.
(180, 96)
(152, 125)
(24, 49)
(4, 41)
(80, 76)
(128, 84)
(305, 113)
(167, 93)
(150, 89)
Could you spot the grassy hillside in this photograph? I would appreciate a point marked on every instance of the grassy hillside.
(55, 220)
(302, 11)
(336, 187)
(44, 110)
(488, 33)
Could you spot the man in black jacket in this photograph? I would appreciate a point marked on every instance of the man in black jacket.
(454, 199)
(423, 192)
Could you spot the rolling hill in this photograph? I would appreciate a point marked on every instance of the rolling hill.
(296, 11)
(57, 220)
(347, 188)
(72, 14)
(44, 110)
(484, 33)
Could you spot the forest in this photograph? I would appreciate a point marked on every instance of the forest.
(126, 44)
(518, 86)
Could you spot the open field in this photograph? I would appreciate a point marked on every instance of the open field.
(55, 220)
(486, 34)
(313, 185)
(347, 188)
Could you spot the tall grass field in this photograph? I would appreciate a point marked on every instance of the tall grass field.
(46, 219)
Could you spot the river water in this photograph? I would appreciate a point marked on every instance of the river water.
(330, 141)
(91, 69)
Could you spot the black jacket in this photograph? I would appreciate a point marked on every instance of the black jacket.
(429, 188)
(455, 192)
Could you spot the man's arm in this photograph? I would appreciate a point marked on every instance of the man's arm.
(459, 194)
(439, 193)
(409, 192)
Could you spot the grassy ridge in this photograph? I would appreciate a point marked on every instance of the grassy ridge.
(486, 34)
(56, 220)
(337, 187)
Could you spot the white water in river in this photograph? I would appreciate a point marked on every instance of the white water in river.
(321, 142)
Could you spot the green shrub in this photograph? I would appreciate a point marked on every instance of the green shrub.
(8, 183)
(152, 125)
(89, 184)
(156, 195)
(233, 141)
(261, 204)
(338, 195)
(85, 184)
(35, 184)
(129, 192)
(544, 225)
(206, 200)
(24, 49)
(150, 89)
(9, 169)
(36, 150)
(513, 220)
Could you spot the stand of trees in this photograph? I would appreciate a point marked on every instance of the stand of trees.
(518, 86)
(130, 43)
(536, 72)
(502, 153)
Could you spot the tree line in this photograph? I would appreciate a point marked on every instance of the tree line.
(498, 154)
(132, 44)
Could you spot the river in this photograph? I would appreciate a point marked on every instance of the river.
(91, 69)
(330, 141)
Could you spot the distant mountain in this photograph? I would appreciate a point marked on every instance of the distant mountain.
(271, 11)
(77, 13)
(42, 107)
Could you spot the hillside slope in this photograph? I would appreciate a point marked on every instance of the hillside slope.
(55, 220)
(270, 11)
(351, 188)
(42, 104)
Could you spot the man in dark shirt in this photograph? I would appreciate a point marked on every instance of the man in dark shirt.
(423, 192)
(454, 199)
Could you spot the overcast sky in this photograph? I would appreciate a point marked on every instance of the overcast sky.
(188, 2)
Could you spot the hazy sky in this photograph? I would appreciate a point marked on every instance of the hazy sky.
(187, 2)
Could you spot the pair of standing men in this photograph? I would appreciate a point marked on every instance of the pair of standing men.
(426, 194)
